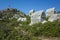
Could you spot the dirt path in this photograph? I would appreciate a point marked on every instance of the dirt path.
(52, 38)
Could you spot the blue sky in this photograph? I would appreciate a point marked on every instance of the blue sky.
(26, 5)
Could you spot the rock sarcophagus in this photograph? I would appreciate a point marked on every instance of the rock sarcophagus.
(50, 12)
(54, 17)
(38, 16)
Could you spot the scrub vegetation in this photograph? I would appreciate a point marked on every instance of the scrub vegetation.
(13, 30)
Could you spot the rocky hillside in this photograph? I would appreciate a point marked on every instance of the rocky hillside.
(13, 30)
(10, 12)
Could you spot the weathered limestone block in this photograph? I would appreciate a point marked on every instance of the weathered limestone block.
(54, 17)
(31, 12)
(21, 19)
(50, 12)
(38, 16)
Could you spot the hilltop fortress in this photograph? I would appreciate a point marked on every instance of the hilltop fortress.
(40, 16)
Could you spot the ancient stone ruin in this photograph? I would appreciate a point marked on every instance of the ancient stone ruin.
(40, 16)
